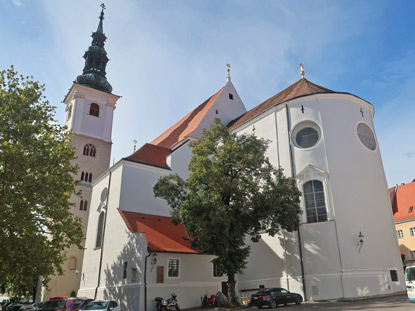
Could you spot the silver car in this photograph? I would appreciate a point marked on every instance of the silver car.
(101, 305)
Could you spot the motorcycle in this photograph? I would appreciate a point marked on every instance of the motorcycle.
(209, 301)
(168, 304)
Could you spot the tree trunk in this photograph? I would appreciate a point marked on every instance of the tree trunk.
(231, 291)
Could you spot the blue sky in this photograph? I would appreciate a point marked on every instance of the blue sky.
(167, 57)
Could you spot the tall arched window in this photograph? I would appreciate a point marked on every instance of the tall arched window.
(315, 205)
(90, 177)
(94, 110)
(82, 175)
(100, 230)
(92, 151)
(86, 149)
(85, 205)
(81, 205)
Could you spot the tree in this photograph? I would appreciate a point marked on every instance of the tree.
(232, 192)
(36, 183)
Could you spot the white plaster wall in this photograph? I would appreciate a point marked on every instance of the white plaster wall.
(195, 279)
(356, 198)
(273, 262)
(227, 109)
(137, 189)
(91, 260)
(80, 97)
(179, 160)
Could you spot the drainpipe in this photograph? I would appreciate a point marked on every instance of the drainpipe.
(103, 237)
(293, 176)
(145, 279)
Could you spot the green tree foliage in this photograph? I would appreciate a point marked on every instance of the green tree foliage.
(36, 184)
(232, 192)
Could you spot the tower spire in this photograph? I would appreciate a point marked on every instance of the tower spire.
(229, 72)
(94, 74)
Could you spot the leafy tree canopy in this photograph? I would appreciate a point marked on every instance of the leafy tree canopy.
(232, 192)
(36, 183)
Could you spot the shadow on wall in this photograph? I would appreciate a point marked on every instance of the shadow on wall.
(124, 278)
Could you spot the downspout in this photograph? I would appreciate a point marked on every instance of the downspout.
(293, 176)
(103, 237)
(145, 279)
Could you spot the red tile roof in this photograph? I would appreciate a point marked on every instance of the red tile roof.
(186, 125)
(300, 88)
(150, 154)
(162, 235)
(404, 198)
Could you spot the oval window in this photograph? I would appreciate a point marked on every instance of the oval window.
(306, 134)
(366, 136)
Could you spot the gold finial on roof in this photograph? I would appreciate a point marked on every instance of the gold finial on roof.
(135, 144)
(229, 72)
(302, 73)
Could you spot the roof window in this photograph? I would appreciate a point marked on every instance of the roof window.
(410, 209)
(231, 96)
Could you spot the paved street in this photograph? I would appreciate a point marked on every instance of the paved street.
(395, 303)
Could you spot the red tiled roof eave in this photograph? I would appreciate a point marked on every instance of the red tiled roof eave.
(404, 198)
(162, 235)
(186, 125)
(150, 154)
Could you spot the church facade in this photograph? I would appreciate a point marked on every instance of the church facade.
(346, 245)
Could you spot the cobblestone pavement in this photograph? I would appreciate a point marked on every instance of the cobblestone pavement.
(394, 303)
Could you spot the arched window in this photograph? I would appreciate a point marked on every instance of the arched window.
(100, 230)
(69, 112)
(315, 205)
(81, 205)
(90, 177)
(86, 149)
(82, 175)
(72, 263)
(85, 205)
(89, 150)
(94, 110)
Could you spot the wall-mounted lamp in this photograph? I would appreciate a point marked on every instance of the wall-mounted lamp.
(360, 240)
(153, 260)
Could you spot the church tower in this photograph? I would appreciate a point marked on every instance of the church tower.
(90, 106)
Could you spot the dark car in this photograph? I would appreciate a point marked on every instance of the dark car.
(272, 297)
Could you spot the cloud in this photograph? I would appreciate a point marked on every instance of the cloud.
(17, 2)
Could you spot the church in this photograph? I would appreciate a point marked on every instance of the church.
(345, 247)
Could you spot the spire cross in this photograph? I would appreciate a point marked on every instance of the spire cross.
(229, 72)
(302, 73)
(103, 6)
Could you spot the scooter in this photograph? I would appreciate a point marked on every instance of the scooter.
(168, 304)
(208, 301)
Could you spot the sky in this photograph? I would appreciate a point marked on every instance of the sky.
(167, 57)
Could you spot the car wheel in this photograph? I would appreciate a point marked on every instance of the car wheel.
(273, 304)
(298, 301)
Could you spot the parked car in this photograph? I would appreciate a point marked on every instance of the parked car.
(60, 304)
(101, 305)
(273, 297)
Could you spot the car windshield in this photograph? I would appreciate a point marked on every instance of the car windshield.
(95, 305)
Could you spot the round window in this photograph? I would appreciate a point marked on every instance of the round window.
(306, 134)
(366, 136)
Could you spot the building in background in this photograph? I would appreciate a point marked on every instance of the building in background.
(90, 105)
(403, 202)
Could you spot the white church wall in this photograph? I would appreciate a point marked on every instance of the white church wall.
(195, 279)
(137, 189)
(360, 188)
(224, 108)
(179, 159)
